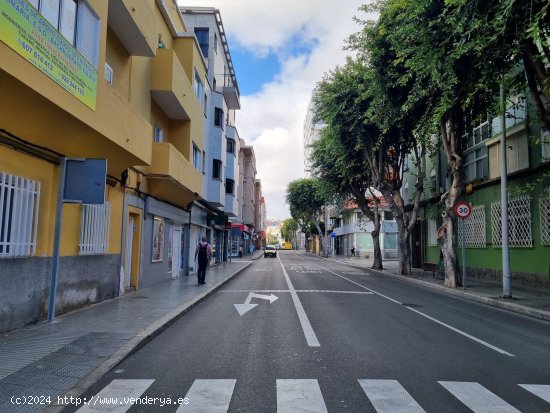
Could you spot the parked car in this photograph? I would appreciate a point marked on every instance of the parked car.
(270, 251)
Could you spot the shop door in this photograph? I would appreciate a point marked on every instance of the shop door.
(129, 245)
(176, 251)
(417, 246)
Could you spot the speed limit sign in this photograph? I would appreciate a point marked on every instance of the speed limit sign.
(462, 210)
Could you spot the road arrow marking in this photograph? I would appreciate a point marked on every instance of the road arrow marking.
(244, 308)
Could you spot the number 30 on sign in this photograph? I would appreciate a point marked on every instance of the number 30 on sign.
(462, 210)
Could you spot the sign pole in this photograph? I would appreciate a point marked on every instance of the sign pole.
(463, 210)
(57, 238)
(463, 254)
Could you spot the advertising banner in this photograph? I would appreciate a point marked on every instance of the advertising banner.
(29, 34)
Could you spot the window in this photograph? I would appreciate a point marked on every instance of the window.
(198, 87)
(67, 22)
(544, 209)
(202, 38)
(476, 165)
(519, 217)
(230, 186)
(19, 201)
(216, 169)
(196, 157)
(432, 232)
(545, 143)
(158, 136)
(94, 229)
(50, 10)
(108, 74)
(230, 145)
(214, 84)
(87, 33)
(218, 117)
(215, 42)
(203, 162)
(433, 180)
(406, 193)
(475, 229)
(76, 21)
(205, 106)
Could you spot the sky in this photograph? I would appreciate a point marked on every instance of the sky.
(280, 50)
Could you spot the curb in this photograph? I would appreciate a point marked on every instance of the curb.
(137, 342)
(506, 305)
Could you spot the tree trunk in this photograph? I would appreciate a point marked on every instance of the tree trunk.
(321, 246)
(403, 244)
(451, 146)
(377, 263)
(374, 215)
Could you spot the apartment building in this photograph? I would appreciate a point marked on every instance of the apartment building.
(312, 130)
(113, 80)
(260, 216)
(528, 163)
(221, 102)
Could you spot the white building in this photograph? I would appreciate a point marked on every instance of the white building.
(221, 100)
(312, 131)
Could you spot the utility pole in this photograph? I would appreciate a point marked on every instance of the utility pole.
(326, 230)
(506, 287)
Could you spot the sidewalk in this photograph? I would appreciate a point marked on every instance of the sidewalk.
(527, 300)
(69, 355)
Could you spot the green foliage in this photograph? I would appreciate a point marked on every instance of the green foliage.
(288, 229)
(305, 198)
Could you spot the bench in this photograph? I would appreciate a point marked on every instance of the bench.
(430, 266)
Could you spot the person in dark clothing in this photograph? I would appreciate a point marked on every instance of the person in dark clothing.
(203, 253)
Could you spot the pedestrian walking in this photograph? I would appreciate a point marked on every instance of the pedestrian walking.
(203, 253)
(353, 251)
(241, 251)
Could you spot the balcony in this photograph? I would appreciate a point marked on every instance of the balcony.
(131, 22)
(171, 177)
(171, 88)
(231, 95)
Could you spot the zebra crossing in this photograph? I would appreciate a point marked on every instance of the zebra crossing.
(298, 395)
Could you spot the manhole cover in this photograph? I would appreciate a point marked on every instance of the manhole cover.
(412, 305)
(140, 296)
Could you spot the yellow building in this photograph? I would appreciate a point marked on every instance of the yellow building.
(121, 80)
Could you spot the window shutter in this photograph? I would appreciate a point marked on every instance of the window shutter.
(87, 40)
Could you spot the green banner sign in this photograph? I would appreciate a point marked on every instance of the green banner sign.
(28, 33)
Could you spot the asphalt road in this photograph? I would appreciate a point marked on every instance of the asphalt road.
(334, 339)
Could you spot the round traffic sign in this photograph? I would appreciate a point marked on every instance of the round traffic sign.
(462, 209)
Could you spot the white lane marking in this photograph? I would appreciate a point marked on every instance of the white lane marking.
(540, 390)
(388, 396)
(311, 338)
(456, 330)
(208, 396)
(299, 395)
(298, 291)
(117, 397)
(477, 397)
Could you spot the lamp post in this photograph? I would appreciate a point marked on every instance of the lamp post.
(506, 287)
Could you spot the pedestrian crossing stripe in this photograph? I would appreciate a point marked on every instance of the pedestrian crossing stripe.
(539, 390)
(388, 396)
(301, 395)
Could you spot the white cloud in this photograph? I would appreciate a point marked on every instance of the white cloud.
(272, 119)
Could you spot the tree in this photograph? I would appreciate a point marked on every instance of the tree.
(342, 168)
(288, 230)
(305, 200)
(413, 47)
(354, 101)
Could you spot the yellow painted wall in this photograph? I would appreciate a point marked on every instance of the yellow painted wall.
(26, 166)
(44, 113)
